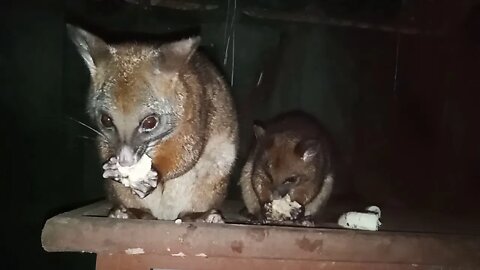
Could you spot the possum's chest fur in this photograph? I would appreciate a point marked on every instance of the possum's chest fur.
(175, 198)
(201, 188)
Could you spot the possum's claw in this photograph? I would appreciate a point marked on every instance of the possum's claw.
(111, 164)
(297, 213)
(214, 216)
(152, 178)
(307, 221)
(111, 174)
(211, 216)
(110, 170)
(119, 212)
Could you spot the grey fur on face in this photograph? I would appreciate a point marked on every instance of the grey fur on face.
(117, 79)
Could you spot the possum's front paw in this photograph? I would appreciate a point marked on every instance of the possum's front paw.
(145, 185)
(110, 170)
(214, 216)
(211, 216)
(141, 178)
(120, 213)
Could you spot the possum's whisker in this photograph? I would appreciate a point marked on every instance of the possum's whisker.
(87, 126)
(86, 138)
(233, 41)
(89, 139)
(233, 58)
(226, 24)
(225, 58)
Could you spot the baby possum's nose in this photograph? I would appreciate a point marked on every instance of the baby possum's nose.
(280, 191)
(126, 157)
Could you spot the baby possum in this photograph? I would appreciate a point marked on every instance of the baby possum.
(292, 162)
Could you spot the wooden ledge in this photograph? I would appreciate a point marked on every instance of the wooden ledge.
(87, 230)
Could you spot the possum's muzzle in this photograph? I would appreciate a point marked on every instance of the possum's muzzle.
(127, 156)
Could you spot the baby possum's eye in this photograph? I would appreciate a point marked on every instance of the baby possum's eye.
(106, 120)
(149, 123)
(291, 180)
(268, 165)
(267, 169)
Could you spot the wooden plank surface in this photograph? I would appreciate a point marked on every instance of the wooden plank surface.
(152, 262)
(75, 232)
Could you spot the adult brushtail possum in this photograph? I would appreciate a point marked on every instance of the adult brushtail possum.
(165, 103)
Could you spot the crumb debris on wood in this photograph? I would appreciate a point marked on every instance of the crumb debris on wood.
(134, 251)
(201, 255)
(179, 254)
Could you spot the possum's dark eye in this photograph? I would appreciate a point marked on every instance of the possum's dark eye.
(149, 123)
(106, 121)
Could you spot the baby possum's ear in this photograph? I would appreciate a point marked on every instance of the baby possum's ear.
(174, 55)
(258, 130)
(92, 48)
(307, 149)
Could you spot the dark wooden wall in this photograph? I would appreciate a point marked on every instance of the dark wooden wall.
(399, 92)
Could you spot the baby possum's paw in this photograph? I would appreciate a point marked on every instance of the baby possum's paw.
(267, 215)
(307, 223)
(297, 213)
(144, 185)
(267, 210)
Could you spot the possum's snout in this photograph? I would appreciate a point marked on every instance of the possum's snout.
(126, 156)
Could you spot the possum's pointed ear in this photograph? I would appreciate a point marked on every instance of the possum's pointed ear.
(92, 48)
(258, 130)
(172, 56)
(307, 149)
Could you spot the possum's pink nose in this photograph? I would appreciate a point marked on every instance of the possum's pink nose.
(126, 157)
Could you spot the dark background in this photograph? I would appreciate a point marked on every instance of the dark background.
(395, 82)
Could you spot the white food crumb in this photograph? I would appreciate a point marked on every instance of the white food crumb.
(178, 221)
(201, 255)
(136, 172)
(133, 251)
(125, 181)
(180, 254)
(361, 220)
(282, 208)
(375, 210)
